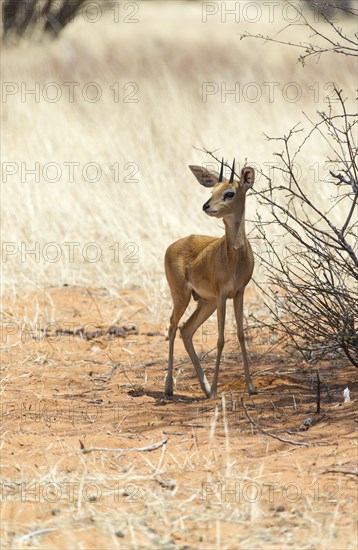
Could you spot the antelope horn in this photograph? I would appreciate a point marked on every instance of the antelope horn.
(221, 171)
(232, 172)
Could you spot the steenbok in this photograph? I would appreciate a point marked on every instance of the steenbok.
(211, 270)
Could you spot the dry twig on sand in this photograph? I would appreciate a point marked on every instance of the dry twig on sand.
(148, 448)
(291, 441)
(339, 471)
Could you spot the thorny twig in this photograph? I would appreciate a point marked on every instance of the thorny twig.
(336, 42)
(311, 288)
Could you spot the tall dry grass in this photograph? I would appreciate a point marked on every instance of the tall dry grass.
(169, 53)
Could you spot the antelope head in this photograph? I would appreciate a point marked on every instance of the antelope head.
(228, 196)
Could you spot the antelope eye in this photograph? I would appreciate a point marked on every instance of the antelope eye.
(229, 195)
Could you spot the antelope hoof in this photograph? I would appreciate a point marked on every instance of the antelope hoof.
(168, 392)
(252, 390)
(213, 392)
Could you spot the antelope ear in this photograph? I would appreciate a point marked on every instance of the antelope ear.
(204, 177)
(247, 178)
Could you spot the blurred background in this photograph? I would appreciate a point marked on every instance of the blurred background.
(104, 105)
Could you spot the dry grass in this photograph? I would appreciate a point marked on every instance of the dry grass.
(169, 54)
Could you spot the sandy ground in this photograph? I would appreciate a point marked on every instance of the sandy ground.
(217, 482)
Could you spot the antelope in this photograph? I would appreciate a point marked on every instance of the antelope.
(212, 270)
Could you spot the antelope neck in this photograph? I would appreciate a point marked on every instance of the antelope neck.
(235, 231)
